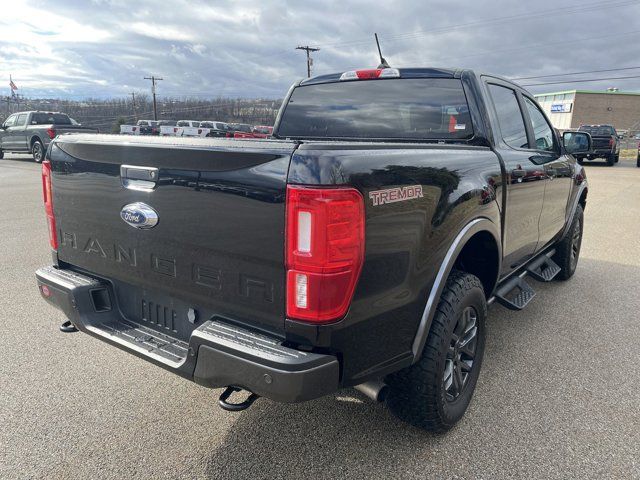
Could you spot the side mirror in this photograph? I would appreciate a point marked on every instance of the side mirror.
(576, 142)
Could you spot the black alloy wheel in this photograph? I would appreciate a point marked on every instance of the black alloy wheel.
(461, 354)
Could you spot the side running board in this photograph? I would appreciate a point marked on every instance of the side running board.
(543, 269)
(516, 293)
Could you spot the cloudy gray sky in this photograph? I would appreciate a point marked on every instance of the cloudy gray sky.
(98, 48)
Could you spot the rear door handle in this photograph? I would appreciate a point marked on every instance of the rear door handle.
(138, 178)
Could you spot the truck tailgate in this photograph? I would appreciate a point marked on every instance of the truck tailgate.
(217, 248)
(600, 143)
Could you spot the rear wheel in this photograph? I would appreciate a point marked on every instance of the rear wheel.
(617, 159)
(637, 161)
(611, 160)
(434, 393)
(1, 154)
(568, 250)
(37, 150)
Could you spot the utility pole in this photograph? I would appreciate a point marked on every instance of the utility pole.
(154, 79)
(135, 113)
(308, 49)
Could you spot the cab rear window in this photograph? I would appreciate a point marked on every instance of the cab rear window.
(597, 130)
(50, 118)
(409, 109)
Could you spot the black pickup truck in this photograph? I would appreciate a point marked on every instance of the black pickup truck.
(359, 247)
(605, 143)
(31, 132)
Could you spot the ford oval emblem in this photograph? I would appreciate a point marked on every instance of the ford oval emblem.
(139, 215)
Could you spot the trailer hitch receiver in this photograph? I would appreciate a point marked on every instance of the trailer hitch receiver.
(235, 407)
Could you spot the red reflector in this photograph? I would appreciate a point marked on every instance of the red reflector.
(45, 291)
(368, 74)
(48, 203)
(324, 252)
(51, 132)
(611, 142)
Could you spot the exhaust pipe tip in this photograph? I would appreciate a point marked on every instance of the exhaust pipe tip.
(376, 390)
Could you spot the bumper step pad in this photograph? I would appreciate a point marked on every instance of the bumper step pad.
(155, 343)
(250, 342)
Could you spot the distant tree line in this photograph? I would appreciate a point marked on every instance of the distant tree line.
(108, 114)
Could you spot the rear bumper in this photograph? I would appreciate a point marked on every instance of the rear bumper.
(217, 354)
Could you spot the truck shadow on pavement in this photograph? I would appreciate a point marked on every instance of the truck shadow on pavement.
(333, 437)
(533, 386)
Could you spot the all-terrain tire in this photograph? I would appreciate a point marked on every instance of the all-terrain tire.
(568, 249)
(1, 154)
(419, 394)
(617, 158)
(37, 150)
(611, 160)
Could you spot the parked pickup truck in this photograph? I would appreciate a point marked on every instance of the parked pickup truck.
(126, 129)
(259, 131)
(606, 143)
(215, 129)
(359, 247)
(190, 128)
(168, 128)
(142, 127)
(31, 132)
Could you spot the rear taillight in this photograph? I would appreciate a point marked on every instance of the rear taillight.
(611, 142)
(199, 131)
(48, 203)
(324, 251)
(51, 132)
(175, 129)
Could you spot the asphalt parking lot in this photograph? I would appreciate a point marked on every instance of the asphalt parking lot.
(558, 396)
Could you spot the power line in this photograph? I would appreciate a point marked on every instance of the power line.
(536, 45)
(154, 79)
(560, 11)
(580, 81)
(308, 49)
(567, 10)
(576, 73)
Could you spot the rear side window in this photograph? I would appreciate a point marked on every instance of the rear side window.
(183, 124)
(510, 118)
(21, 120)
(409, 109)
(41, 118)
(541, 129)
